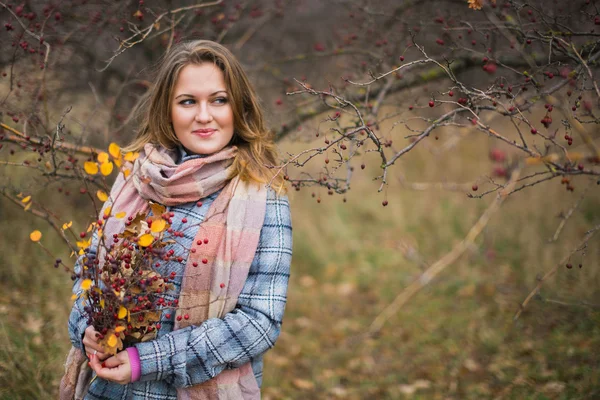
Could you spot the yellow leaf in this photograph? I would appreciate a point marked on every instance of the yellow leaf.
(112, 340)
(120, 328)
(102, 195)
(67, 225)
(74, 296)
(107, 210)
(102, 157)
(48, 165)
(158, 225)
(86, 284)
(114, 150)
(35, 236)
(90, 167)
(26, 199)
(84, 243)
(118, 162)
(27, 207)
(131, 156)
(102, 303)
(106, 168)
(146, 240)
(126, 172)
(122, 312)
(91, 227)
(120, 215)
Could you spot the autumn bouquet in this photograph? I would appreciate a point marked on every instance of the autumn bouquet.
(123, 297)
(122, 293)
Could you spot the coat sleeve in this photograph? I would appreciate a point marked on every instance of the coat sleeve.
(77, 318)
(196, 354)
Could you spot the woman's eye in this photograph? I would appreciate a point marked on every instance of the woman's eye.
(221, 100)
(186, 102)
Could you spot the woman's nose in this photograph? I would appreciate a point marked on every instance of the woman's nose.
(203, 115)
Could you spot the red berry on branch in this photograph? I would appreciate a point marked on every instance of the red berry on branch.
(384, 203)
(474, 188)
(431, 103)
(319, 47)
(533, 131)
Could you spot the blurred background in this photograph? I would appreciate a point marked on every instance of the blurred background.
(457, 337)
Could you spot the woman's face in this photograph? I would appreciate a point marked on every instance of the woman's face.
(201, 110)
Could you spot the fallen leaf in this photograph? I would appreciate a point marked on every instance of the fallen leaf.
(303, 384)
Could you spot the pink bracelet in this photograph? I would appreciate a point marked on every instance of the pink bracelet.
(134, 361)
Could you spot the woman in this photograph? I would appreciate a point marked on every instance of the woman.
(205, 154)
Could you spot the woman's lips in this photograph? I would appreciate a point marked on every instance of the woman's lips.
(204, 132)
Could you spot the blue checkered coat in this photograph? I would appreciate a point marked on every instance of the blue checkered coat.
(196, 354)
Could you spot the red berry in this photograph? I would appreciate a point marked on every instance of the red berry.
(204, 261)
(186, 316)
(451, 93)
(475, 187)
(385, 203)
(222, 285)
(431, 103)
(533, 131)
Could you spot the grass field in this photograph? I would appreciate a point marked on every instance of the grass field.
(455, 339)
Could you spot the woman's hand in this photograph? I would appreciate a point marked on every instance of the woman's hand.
(115, 369)
(91, 345)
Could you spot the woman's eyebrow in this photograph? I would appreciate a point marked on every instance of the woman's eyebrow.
(212, 94)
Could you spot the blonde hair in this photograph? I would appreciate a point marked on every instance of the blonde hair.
(257, 154)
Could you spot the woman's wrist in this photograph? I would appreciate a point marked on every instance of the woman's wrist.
(134, 362)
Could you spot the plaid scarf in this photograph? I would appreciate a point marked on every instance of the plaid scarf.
(232, 227)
